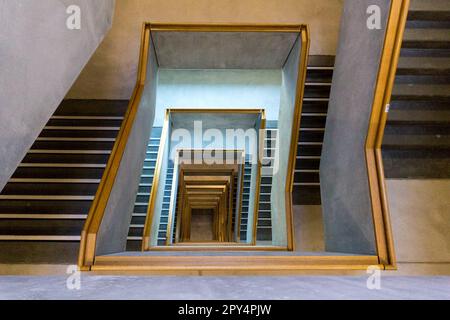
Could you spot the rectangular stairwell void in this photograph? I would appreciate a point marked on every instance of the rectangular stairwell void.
(197, 81)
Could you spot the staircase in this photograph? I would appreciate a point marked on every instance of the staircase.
(417, 136)
(162, 233)
(312, 127)
(45, 203)
(136, 230)
(264, 228)
(245, 199)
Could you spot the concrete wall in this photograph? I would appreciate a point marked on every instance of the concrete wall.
(40, 58)
(346, 201)
(285, 123)
(218, 89)
(112, 236)
(112, 71)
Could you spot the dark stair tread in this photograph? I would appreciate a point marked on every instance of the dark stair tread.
(419, 116)
(321, 61)
(416, 164)
(78, 107)
(397, 141)
(424, 65)
(39, 252)
(433, 6)
(427, 35)
(421, 91)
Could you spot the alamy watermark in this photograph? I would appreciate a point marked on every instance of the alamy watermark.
(73, 21)
(374, 19)
(258, 147)
(374, 280)
(73, 281)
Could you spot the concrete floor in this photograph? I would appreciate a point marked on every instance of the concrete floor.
(211, 288)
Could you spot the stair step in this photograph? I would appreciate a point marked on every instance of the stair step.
(80, 189)
(48, 151)
(43, 216)
(76, 139)
(82, 128)
(36, 227)
(58, 172)
(421, 92)
(426, 105)
(426, 38)
(419, 116)
(97, 118)
(38, 180)
(429, 13)
(85, 122)
(398, 141)
(322, 61)
(72, 145)
(416, 163)
(44, 206)
(91, 107)
(47, 197)
(423, 65)
(62, 165)
(38, 238)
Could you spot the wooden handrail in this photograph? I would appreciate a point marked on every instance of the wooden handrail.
(92, 225)
(385, 83)
(300, 92)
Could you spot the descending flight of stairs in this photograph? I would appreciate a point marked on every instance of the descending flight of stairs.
(135, 233)
(162, 233)
(417, 137)
(264, 227)
(245, 199)
(45, 203)
(312, 127)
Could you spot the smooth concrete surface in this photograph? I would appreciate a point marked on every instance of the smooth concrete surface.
(114, 228)
(202, 225)
(288, 103)
(215, 288)
(244, 89)
(40, 58)
(223, 50)
(420, 216)
(112, 71)
(403, 269)
(345, 193)
(308, 228)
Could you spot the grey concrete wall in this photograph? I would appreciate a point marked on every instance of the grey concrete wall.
(40, 58)
(285, 123)
(219, 89)
(112, 236)
(346, 200)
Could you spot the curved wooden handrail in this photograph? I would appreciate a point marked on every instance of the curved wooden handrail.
(92, 225)
(374, 161)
